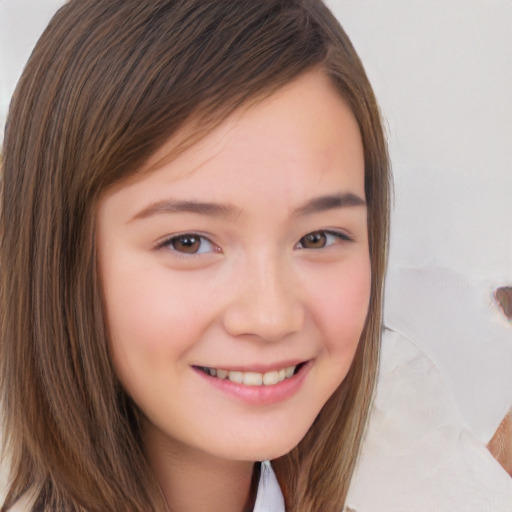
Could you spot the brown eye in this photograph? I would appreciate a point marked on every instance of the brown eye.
(189, 244)
(315, 240)
(321, 239)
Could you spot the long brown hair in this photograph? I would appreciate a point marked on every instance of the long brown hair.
(107, 84)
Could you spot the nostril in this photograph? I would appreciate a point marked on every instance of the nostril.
(503, 297)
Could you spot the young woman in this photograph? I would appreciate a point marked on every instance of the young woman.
(193, 240)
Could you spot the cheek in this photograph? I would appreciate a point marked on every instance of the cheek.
(152, 320)
(340, 306)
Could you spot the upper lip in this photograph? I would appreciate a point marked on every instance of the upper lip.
(258, 368)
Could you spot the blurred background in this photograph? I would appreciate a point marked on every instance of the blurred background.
(442, 72)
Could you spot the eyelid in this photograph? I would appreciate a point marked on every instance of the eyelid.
(342, 235)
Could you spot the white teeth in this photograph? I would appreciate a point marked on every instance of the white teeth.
(237, 377)
(253, 378)
(270, 378)
(289, 371)
(222, 374)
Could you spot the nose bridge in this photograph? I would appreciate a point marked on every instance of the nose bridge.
(266, 303)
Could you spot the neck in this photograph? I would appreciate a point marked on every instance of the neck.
(194, 481)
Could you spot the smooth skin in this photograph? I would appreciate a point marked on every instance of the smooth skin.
(248, 251)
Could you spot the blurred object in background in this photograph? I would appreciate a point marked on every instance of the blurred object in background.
(503, 297)
(501, 444)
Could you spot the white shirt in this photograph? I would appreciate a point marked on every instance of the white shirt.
(269, 497)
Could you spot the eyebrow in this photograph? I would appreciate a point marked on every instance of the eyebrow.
(315, 205)
(199, 207)
(329, 202)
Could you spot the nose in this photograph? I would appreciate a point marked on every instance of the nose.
(265, 303)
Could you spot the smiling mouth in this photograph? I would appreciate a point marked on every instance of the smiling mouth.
(253, 378)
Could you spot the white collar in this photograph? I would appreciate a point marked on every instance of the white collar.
(269, 497)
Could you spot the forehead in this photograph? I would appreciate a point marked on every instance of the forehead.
(301, 140)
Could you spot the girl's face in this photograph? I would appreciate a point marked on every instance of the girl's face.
(237, 277)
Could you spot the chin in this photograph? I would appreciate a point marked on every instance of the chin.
(267, 448)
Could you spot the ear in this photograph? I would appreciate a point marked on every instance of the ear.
(503, 297)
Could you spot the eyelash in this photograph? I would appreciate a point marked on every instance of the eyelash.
(168, 242)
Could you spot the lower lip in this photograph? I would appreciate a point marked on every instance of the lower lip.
(260, 395)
